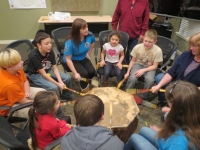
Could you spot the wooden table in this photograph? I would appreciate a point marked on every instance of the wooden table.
(95, 23)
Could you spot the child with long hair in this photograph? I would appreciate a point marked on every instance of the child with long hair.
(44, 127)
(181, 129)
(114, 55)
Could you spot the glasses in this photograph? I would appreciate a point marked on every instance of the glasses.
(175, 83)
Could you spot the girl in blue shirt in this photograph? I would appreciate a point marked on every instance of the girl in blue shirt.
(181, 130)
(77, 50)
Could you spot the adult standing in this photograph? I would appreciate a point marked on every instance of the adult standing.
(78, 48)
(186, 67)
(132, 17)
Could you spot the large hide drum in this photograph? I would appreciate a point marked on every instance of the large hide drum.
(120, 111)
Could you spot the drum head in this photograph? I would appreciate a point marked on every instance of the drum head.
(120, 107)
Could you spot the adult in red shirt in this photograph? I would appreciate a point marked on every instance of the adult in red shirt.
(132, 17)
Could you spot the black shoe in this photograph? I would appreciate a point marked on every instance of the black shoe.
(162, 104)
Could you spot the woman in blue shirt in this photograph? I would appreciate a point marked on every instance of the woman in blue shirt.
(181, 130)
(77, 50)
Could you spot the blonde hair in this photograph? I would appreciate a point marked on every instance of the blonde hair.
(195, 40)
(151, 33)
(9, 57)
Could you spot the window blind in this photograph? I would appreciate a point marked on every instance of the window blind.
(188, 28)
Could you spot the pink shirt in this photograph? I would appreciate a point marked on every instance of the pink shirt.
(132, 21)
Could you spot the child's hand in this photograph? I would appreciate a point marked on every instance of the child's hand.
(119, 65)
(126, 75)
(28, 94)
(139, 73)
(165, 109)
(102, 63)
(61, 86)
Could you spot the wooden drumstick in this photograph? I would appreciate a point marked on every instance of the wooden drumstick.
(120, 83)
(97, 66)
(111, 115)
(66, 88)
(138, 91)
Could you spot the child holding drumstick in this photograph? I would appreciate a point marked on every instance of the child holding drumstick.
(113, 52)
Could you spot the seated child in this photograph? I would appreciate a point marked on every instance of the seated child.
(145, 59)
(14, 87)
(88, 134)
(113, 52)
(44, 127)
(42, 68)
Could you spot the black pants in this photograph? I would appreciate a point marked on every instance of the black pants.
(85, 69)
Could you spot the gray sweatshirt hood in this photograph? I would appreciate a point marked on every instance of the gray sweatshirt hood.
(87, 138)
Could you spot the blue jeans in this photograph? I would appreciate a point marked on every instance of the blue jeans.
(40, 81)
(107, 70)
(148, 76)
(161, 95)
(131, 45)
(145, 140)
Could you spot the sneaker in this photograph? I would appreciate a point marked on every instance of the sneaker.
(138, 100)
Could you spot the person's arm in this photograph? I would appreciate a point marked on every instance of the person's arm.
(129, 67)
(166, 79)
(27, 89)
(57, 73)
(91, 48)
(103, 53)
(140, 72)
(58, 129)
(119, 64)
(72, 68)
(48, 78)
(116, 16)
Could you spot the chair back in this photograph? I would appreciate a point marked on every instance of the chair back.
(167, 46)
(24, 47)
(59, 35)
(7, 137)
(103, 38)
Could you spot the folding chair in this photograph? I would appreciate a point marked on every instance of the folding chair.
(59, 35)
(18, 142)
(24, 47)
(103, 38)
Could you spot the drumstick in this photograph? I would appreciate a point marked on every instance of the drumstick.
(97, 66)
(110, 115)
(66, 88)
(138, 91)
(120, 83)
(142, 120)
(68, 103)
(149, 104)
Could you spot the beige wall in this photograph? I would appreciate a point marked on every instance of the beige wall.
(19, 24)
